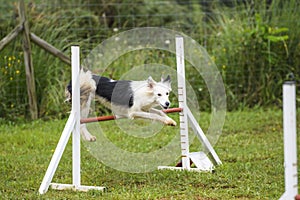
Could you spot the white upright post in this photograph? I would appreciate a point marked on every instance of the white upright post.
(72, 126)
(290, 141)
(76, 107)
(182, 103)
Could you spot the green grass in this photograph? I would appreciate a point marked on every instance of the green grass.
(250, 147)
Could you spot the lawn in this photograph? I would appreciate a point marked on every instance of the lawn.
(250, 147)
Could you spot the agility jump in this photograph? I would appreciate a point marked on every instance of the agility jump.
(200, 159)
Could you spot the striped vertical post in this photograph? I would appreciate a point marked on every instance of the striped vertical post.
(182, 103)
(199, 159)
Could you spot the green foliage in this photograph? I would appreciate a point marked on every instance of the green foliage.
(255, 45)
(252, 56)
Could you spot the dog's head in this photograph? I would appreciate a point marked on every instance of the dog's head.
(161, 91)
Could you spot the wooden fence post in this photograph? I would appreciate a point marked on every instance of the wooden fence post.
(31, 90)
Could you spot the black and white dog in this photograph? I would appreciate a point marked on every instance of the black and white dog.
(127, 99)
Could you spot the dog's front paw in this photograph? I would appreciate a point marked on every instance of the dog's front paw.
(92, 139)
(170, 122)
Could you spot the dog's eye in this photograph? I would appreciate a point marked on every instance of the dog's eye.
(167, 93)
(159, 94)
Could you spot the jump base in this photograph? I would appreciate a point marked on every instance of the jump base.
(201, 161)
(82, 188)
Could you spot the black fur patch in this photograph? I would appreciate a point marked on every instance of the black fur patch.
(117, 92)
(69, 87)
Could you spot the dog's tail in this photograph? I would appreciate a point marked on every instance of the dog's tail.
(87, 93)
(87, 87)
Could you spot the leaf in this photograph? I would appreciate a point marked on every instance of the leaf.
(273, 38)
(278, 30)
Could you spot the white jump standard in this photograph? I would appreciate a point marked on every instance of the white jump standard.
(72, 126)
(290, 141)
(200, 159)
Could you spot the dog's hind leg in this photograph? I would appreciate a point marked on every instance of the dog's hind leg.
(86, 135)
(84, 112)
(87, 91)
(145, 115)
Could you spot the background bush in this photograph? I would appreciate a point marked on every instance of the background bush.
(254, 43)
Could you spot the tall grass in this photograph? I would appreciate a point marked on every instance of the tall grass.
(255, 45)
(13, 97)
(252, 53)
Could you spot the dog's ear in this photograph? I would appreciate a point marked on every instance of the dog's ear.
(166, 81)
(151, 82)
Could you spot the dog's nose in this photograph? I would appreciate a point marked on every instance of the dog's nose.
(167, 104)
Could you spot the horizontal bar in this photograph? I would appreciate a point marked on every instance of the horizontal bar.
(97, 119)
(172, 110)
(111, 117)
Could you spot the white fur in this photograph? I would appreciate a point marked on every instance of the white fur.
(146, 95)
